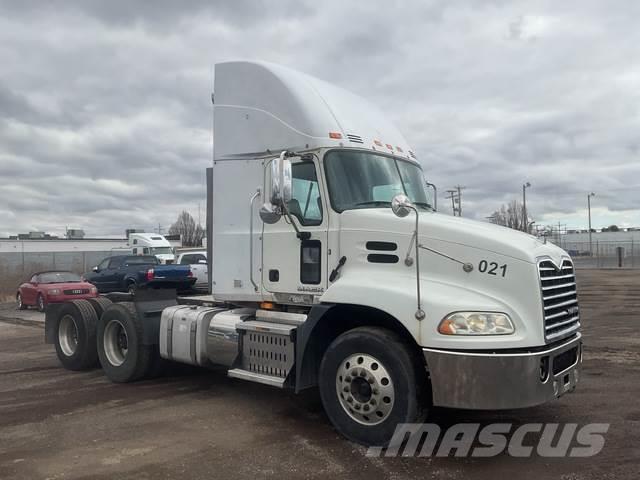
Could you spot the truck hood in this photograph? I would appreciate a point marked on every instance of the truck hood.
(445, 228)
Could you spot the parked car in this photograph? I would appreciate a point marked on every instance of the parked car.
(199, 267)
(53, 287)
(126, 273)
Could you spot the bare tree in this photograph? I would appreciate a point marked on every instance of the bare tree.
(190, 233)
(509, 215)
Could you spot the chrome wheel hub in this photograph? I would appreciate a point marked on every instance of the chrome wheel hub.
(365, 389)
(116, 343)
(68, 335)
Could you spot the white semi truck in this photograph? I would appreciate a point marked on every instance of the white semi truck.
(333, 270)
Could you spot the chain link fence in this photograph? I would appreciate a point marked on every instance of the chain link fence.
(603, 254)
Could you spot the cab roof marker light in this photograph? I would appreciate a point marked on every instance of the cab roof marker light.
(390, 147)
(378, 143)
(399, 149)
(336, 135)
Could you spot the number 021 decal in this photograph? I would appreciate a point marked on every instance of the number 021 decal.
(492, 268)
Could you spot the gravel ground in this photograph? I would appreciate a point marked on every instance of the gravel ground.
(199, 424)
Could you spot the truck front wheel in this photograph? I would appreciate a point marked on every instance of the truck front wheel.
(370, 381)
(123, 356)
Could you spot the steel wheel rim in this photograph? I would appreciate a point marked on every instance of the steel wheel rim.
(68, 335)
(116, 343)
(365, 389)
(19, 301)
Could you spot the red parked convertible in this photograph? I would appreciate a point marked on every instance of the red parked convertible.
(53, 287)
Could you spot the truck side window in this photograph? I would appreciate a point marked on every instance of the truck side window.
(115, 262)
(186, 260)
(104, 264)
(305, 203)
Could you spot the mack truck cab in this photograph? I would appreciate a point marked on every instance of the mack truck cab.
(333, 269)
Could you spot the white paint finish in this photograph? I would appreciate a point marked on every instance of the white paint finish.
(263, 107)
(234, 183)
(281, 249)
(445, 286)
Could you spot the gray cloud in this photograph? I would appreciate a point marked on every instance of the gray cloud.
(105, 113)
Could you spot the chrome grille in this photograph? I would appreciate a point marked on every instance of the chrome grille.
(559, 299)
(76, 291)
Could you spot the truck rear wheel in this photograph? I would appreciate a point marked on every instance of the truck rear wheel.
(100, 304)
(123, 356)
(370, 381)
(75, 335)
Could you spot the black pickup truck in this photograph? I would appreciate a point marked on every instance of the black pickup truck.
(126, 273)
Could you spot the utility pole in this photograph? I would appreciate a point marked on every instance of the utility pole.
(159, 229)
(460, 188)
(589, 209)
(452, 196)
(525, 218)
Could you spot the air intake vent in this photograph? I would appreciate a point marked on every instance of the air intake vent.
(382, 258)
(559, 299)
(383, 246)
(354, 138)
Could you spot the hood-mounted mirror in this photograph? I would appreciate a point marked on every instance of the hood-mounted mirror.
(402, 206)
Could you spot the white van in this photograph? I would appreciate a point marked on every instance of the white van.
(152, 244)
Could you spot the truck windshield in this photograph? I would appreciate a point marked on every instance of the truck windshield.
(161, 250)
(368, 180)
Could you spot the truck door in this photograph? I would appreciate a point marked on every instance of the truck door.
(291, 265)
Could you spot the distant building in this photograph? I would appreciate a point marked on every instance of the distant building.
(33, 236)
(74, 234)
(55, 244)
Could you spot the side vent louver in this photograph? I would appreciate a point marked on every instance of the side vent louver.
(382, 258)
(354, 138)
(382, 246)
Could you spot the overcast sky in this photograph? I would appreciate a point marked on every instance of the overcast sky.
(105, 111)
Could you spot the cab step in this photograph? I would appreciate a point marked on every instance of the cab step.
(267, 352)
(256, 377)
(281, 317)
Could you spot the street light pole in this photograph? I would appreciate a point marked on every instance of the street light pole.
(589, 209)
(525, 222)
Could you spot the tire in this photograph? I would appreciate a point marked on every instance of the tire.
(387, 388)
(75, 335)
(122, 354)
(21, 306)
(99, 304)
(40, 303)
(132, 287)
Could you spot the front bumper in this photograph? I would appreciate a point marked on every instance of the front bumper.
(496, 381)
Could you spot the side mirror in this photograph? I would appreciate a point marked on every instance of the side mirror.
(269, 214)
(95, 269)
(280, 180)
(279, 190)
(401, 206)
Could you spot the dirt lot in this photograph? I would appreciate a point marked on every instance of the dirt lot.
(198, 424)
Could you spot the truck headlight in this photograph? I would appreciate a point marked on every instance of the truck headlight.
(476, 323)
(53, 291)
